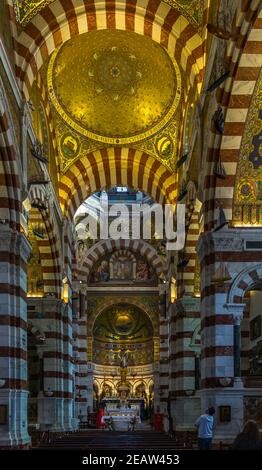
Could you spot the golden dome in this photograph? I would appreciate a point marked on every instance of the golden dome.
(114, 86)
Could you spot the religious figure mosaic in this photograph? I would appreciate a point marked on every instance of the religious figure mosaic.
(122, 267)
(248, 190)
(123, 336)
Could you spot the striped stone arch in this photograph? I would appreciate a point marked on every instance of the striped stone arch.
(49, 247)
(243, 86)
(115, 166)
(64, 19)
(244, 55)
(103, 247)
(190, 201)
(123, 252)
(10, 179)
(189, 272)
(245, 280)
(186, 275)
(48, 113)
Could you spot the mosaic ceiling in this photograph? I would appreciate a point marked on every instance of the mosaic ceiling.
(191, 9)
(115, 87)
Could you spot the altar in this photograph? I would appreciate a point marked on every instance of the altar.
(122, 418)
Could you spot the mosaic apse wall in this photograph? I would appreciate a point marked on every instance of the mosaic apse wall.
(121, 267)
(123, 336)
(248, 189)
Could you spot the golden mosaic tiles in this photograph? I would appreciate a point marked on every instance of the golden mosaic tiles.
(115, 87)
(26, 9)
(248, 189)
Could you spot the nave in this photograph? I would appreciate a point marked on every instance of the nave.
(130, 222)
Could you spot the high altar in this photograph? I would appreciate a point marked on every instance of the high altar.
(123, 417)
(123, 411)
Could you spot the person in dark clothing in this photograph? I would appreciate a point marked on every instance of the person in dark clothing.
(249, 438)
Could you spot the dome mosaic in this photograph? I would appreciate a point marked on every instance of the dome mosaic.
(114, 86)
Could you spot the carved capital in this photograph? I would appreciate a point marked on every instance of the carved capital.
(236, 310)
(14, 242)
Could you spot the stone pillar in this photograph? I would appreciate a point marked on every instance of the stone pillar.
(67, 371)
(156, 386)
(75, 311)
(237, 311)
(156, 372)
(185, 399)
(220, 334)
(50, 315)
(82, 377)
(163, 364)
(237, 349)
(89, 389)
(14, 254)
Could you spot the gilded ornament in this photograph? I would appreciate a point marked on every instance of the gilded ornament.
(115, 87)
(25, 10)
(70, 146)
(123, 335)
(248, 189)
(165, 146)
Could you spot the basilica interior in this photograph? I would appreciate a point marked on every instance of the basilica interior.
(139, 105)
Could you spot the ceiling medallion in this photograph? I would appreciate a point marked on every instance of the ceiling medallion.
(70, 146)
(165, 146)
(115, 72)
(246, 190)
(115, 87)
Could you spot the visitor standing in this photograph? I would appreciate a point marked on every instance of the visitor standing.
(99, 416)
(205, 425)
(158, 420)
(166, 422)
(249, 438)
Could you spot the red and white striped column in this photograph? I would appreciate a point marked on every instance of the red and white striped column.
(55, 401)
(163, 385)
(82, 372)
(184, 322)
(221, 320)
(14, 253)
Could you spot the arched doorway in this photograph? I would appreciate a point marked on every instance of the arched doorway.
(123, 357)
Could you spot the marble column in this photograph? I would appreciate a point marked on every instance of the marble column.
(50, 315)
(237, 311)
(14, 253)
(185, 399)
(220, 328)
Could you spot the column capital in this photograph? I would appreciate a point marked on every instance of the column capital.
(216, 241)
(14, 242)
(236, 310)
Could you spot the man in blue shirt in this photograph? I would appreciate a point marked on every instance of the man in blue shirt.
(205, 424)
